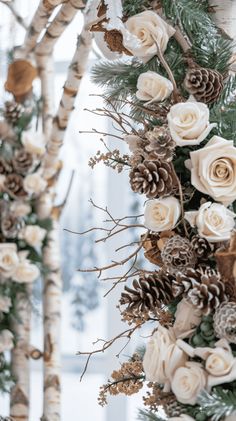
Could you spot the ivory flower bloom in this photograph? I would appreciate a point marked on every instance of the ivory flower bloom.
(5, 303)
(162, 214)
(20, 209)
(152, 32)
(189, 123)
(6, 340)
(26, 272)
(34, 235)
(33, 142)
(214, 221)
(162, 356)
(188, 382)
(8, 259)
(213, 170)
(182, 417)
(153, 87)
(219, 363)
(34, 184)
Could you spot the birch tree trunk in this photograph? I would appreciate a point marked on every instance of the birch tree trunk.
(225, 15)
(19, 403)
(52, 319)
(71, 88)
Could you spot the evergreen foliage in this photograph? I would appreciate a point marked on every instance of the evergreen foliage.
(219, 403)
(149, 416)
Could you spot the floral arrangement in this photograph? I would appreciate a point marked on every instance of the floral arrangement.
(25, 219)
(180, 91)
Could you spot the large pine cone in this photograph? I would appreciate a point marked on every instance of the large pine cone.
(147, 293)
(225, 322)
(178, 254)
(153, 178)
(161, 145)
(14, 185)
(13, 111)
(205, 84)
(22, 162)
(203, 288)
(5, 166)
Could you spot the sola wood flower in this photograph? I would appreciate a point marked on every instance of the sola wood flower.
(162, 214)
(153, 87)
(188, 382)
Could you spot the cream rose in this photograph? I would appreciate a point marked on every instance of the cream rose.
(151, 31)
(153, 87)
(187, 318)
(44, 205)
(213, 170)
(33, 235)
(5, 304)
(34, 184)
(214, 221)
(20, 209)
(26, 272)
(162, 214)
(188, 382)
(182, 417)
(189, 123)
(220, 363)
(6, 340)
(162, 356)
(8, 259)
(34, 143)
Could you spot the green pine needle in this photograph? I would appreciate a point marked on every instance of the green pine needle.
(148, 416)
(219, 404)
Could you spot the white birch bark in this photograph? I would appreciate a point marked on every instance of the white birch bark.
(71, 88)
(52, 319)
(225, 15)
(19, 403)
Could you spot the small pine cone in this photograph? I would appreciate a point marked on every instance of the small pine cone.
(202, 247)
(13, 111)
(147, 293)
(203, 288)
(178, 254)
(153, 245)
(205, 84)
(22, 162)
(14, 185)
(5, 167)
(10, 226)
(225, 322)
(161, 146)
(153, 178)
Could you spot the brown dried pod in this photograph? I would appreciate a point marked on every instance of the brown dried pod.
(21, 74)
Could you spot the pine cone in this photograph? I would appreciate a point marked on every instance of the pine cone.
(153, 245)
(13, 111)
(10, 226)
(147, 293)
(205, 84)
(22, 162)
(173, 408)
(225, 322)
(161, 146)
(153, 178)
(14, 185)
(203, 288)
(5, 167)
(202, 248)
(178, 254)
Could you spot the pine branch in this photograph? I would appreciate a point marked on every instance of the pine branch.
(132, 7)
(148, 416)
(218, 404)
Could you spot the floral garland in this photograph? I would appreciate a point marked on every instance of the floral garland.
(183, 162)
(25, 218)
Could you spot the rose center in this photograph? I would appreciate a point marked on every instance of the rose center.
(159, 214)
(215, 219)
(188, 118)
(221, 169)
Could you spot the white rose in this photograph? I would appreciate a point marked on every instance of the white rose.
(8, 259)
(162, 214)
(214, 221)
(34, 143)
(213, 170)
(153, 87)
(231, 417)
(189, 123)
(188, 382)
(20, 209)
(162, 356)
(26, 272)
(152, 32)
(44, 205)
(34, 184)
(6, 340)
(182, 417)
(5, 304)
(219, 363)
(33, 235)
(187, 318)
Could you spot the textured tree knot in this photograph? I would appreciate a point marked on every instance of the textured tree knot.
(54, 382)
